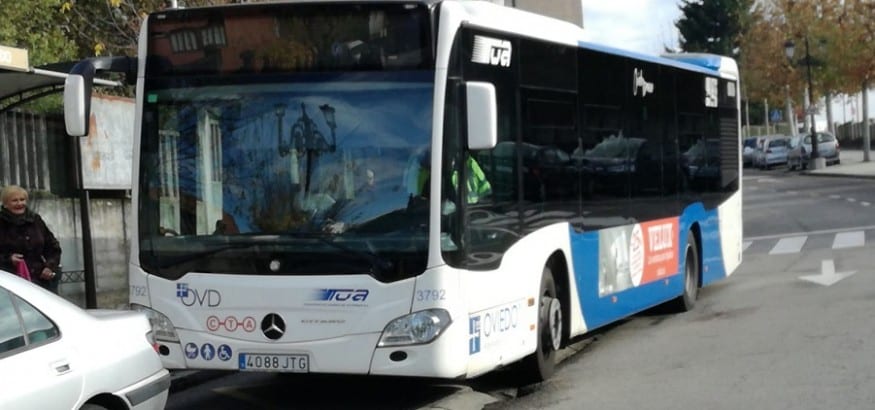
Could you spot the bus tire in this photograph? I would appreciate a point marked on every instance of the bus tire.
(687, 300)
(540, 365)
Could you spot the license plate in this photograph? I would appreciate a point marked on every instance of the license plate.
(288, 363)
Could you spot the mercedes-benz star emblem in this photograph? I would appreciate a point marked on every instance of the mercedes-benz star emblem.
(273, 326)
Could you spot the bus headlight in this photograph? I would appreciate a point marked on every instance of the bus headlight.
(416, 328)
(162, 327)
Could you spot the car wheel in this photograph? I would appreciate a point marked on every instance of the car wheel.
(541, 364)
(92, 406)
(687, 300)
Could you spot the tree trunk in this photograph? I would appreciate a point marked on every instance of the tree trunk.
(791, 116)
(866, 125)
(830, 126)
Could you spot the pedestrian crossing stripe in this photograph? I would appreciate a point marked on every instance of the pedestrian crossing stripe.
(848, 240)
(797, 243)
(792, 244)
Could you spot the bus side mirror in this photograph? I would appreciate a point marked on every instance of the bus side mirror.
(77, 104)
(77, 89)
(482, 115)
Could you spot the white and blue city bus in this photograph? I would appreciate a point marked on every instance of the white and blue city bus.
(414, 188)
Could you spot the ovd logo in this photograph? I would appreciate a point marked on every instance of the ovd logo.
(204, 297)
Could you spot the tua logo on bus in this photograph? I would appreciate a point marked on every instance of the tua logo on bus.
(491, 51)
(342, 295)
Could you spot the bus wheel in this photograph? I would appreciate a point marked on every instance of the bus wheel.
(687, 300)
(539, 366)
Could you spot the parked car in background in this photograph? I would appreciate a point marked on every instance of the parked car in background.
(772, 152)
(749, 149)
(800, 150)
(54, 355)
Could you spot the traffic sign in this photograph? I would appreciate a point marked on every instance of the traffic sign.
(775, 116)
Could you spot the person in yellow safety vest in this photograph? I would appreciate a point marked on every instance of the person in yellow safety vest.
(476, 182)
(477, 185)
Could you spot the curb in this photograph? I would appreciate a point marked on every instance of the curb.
(837, 175)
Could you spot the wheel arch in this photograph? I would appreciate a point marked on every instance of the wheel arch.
(696, 229)
(107, 401)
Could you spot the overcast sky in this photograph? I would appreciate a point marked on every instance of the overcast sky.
(646, 26)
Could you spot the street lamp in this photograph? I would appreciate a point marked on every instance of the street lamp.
(815, 161)
(328, 113)
(280, 110)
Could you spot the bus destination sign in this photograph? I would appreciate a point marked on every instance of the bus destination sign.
(14, 59)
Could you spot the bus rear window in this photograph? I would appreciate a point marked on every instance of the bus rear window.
(280, 38)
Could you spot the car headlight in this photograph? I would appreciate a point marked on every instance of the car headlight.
(416, 328)
(162, 327)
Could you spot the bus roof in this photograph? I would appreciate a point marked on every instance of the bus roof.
(711, 64)
(490, 15)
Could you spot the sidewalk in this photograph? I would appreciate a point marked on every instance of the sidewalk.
(852, 166)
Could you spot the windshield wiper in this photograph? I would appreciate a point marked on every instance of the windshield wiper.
(379, 265)
(171, 261)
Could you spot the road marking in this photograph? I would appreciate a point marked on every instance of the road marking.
(746, 245)
(822, 231)
(851, 200)
(828, 275)
(792, 244)
(865, 203)
(849, 240)
(835, 196)
(779, 204)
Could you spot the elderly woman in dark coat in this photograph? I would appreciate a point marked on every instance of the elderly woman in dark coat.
(25, 236)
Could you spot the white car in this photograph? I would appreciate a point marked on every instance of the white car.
(54, 355)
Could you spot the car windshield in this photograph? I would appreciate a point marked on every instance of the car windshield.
(615, 147)
(821, 138)
(778, 143)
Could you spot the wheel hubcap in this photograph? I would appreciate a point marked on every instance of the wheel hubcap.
(691, 272)
(554, 322)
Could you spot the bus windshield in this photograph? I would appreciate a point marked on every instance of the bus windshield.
(296, 174)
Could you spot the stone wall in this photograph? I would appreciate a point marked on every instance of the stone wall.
(109, 233)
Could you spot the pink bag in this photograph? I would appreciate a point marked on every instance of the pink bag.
(22, 270)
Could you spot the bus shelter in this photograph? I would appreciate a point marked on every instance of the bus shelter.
(21, 83)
